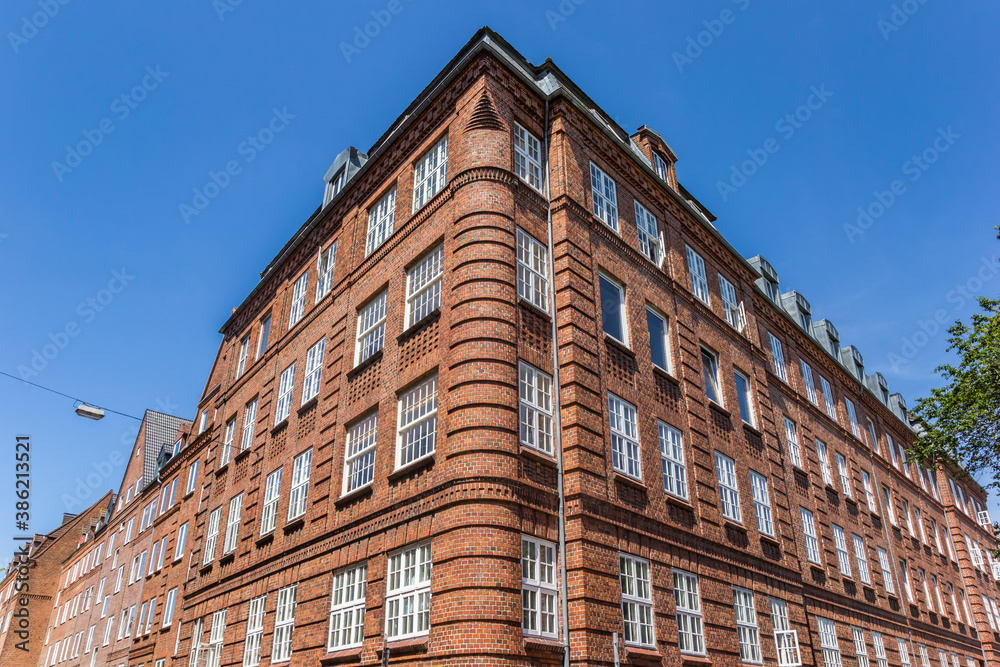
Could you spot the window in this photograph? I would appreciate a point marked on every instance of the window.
(535, 393)
(298, 307)
(883, 561)
(381, 218)
(265, 328)
(168, 609)
(324, 270)
(532, 271)
(613, 309)
(699, 279)
(861, 555)
(423, 286)
(831, 407)
(661, 167)
(659, 344)
(904, 653)
(202, 422)
(927, 591)
(285, 387)
(672, 459)
(989, 614)
(843, 559)
(624, 437)
(687, 603)
(791, 435)
(408, 593)
(892, 450)
(761, 504)
(192, 477)
(118, 581)
(604, 196)
(152, 563)
(212, 535)
(255, 632)
(731, 309)
(778, 358)
(314, 371)
(729, 493)
(128, 528)
(233, 524)
(828, 642)
(887, 497)
(244, 351)
(249, 417)
(869, 494)
(335, 185)
(227, 443)
(359, 453)
(347, 608)
(809, 529)
(710, 368)
(743, 397)
(417, 422)
(860, 648)
(215, 636)
(298, 498)
(538, 587)
(874, 437)
(824, 462)
(853, 417)
(807, 378)
(430, 173)
(746, 625)
(371, 328)
(269, 512)
(649, 236)
(880, 657)
(903, 575)
(845, 475)
(284, 623)
(924, 659)
(527, 157)
(181, 539)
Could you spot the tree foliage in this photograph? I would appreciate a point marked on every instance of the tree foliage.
(961, 420)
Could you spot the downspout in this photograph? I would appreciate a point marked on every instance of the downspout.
(556, 410)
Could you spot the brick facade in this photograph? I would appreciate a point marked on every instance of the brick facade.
(481, 495)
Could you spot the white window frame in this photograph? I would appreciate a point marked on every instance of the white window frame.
(535, 408)
(227, 442)
(845, 475)
(688, 613)
(746, 626)
(212, 535)
(249, 421)
(852, 417)
(539, 588)
(269, 508)
(883, 562)
(729, 490)
(298, 306)
(792, 438)
(347, 608)
(762, 504)
(887, 497)
(828, 402)
(233, 524)
(866, 482)
(626, 452)
(905, 576)
(417, 417)
(370, 337)
(778, 358)
(168, 609)
(880, 657)
(326, 262)
(824, 462)
(672, 460)
(730, 307)
(532, 271)
(381, 221)
(527, 157)
(811, 541)
(430, 173)
(359, 453)
(860, 647)
(861, 556)
(424, 285)
(605, 197)
(604, 279)
(284, 625)
(262, 336)
(828, 641)
(648, 233)
(286, 386)
(255, 631)
(408, 592)
(744, 396)
(298, 497)
(699, 279)
(181, 540)
(710, 372)
(314, 370)
(843, 557)
(807, 379)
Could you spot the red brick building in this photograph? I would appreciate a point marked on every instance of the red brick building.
(507, 396)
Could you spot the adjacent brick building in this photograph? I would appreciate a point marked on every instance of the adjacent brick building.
(509, 395)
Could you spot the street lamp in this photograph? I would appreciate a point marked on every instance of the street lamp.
(90, 411)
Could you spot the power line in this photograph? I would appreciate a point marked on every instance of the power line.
(79, 400)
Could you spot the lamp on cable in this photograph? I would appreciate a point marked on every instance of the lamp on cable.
(90, 411)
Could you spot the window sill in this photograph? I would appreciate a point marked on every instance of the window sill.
(753, 429)
(280, 426)
(351, 496)
(344, 655)
(415, 645)
(546, 644)
(630, 481)
(618, 345)
(665, 374)
(734, 524)
(688, 659)
(264, 539)
(294, 524)
(770, 539)
(357, 370)
(221, 469)
(718, 408)
(206, 568)
(679, 502)
(536, 455)
(227, 558)
(643, 653)
(308, 404)
(417, 326)
(524, 303)
(242, 454)
(413, 466)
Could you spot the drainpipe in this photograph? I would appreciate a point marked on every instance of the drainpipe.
(556, 411)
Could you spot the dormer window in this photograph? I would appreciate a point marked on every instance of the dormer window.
(335, 185)
(661, 167)
(771, 289)
(805, 320)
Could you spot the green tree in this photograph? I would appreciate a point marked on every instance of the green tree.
(961, 420)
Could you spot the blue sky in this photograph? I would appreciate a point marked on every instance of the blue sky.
(101, 265)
